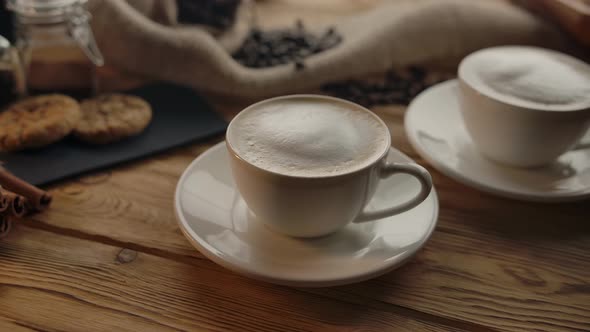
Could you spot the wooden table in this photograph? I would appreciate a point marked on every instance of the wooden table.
(109, 256)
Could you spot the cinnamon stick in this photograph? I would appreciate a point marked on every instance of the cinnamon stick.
(19, 206)
(4, 204)
(39, 199)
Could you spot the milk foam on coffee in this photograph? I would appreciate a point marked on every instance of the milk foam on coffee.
(308, 137)
(529, 77)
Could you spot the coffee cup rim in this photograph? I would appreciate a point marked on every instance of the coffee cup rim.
(382, 155)
(465, 77)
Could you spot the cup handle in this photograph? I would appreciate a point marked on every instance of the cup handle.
(414, 170)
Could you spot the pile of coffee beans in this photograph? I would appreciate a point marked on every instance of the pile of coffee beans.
(396, 87)
(215, 13)
(278, 47)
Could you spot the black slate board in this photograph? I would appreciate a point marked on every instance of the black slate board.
(180, 116)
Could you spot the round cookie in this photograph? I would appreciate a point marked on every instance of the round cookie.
(37, 121)
(111, 117)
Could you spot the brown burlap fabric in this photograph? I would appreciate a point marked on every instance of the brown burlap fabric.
(142, 36)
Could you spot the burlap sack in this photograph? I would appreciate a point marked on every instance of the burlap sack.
(395, 34)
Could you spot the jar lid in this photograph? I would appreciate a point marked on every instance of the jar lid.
(44, 9)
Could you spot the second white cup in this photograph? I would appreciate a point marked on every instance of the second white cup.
(513, 133)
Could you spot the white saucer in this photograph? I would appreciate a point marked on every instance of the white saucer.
(215, 219)
(435, 128)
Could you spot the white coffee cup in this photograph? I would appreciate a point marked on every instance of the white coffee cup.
(314, 206)
(517, 134)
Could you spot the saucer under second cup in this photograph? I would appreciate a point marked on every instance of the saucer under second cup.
(435, 129)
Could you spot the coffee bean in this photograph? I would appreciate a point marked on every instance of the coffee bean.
(255, 35)
(265, 48)
(250, 62)
(283, 50)
(299, 65)
(299, 25)
(417, 73)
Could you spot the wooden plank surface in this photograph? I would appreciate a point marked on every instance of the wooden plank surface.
(60, 283)
(495, 262)
(108, 255)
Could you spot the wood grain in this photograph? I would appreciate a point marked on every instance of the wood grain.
(495, 262)
(59, 283)
(14, 326)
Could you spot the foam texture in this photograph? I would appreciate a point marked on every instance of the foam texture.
(308, 137)
(531, 77)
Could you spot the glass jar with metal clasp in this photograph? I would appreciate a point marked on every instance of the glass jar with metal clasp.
(56, 45)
